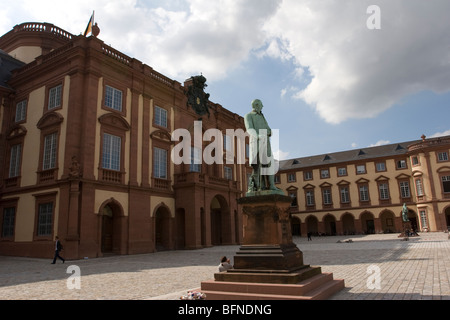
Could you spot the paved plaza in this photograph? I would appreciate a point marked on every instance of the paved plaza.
(374, 267)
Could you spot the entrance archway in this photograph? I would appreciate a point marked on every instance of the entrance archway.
(113, 229)
(348, 224)
(387, 221)
(312, 225)
(220, 221)
(295, 225)
(107, 230)
(162, 228)
(447, 217)
(367, 222)
(412, 216)
(330, 225)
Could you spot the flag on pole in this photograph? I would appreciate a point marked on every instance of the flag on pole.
(90, 24)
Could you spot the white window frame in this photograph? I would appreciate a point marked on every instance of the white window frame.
(419, 187)
(50, 149)
(310, 201)
(54, 97)
(111, 156)
(14, 160)
(160, 117)
(21, 111)
(345, 194)
(363, 193)
(442, 156)
(113, 98)
(361, 169)
(383, 188)
(405, 191)
(326, 194)
(160, 163)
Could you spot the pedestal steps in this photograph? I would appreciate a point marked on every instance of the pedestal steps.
(318, 287)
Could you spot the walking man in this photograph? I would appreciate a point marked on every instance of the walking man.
(58, 248)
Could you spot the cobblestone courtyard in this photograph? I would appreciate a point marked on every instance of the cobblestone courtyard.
(374, 267)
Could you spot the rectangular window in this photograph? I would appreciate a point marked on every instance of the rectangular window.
(310, 198)
(443, 156)
(384, 191)
(228, 173)
(111, 152)
(419, 188)
(291, 177)
(307, 175)
(360, 169)
(54, 97)
(293, 195)
(8, 222)
(324, 173)
(326, 196)
(381, 166)
(45, 217)
(401, 164)
(345, 195)
(446, 183)
(160, 117)
(423, 219)
(21, 111)
(113, 98)
(415, 161)
(50, 144)
(364, 193)
(160, 163)
(14, 161)
(404, 189)
(342, 172)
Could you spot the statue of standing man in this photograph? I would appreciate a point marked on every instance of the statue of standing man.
(260, 156)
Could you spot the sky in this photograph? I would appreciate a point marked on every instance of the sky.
(333, 75)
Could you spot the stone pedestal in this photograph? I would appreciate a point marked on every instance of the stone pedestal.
(268, 259)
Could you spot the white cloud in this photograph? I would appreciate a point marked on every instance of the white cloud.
(440, 134)
(352, 72)
(357, 72)
(380, 143)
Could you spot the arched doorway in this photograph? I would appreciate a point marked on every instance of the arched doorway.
(387, 221)
(162, 228)
(447, 217)
(295, 225)
(312, 225)
(220, 221)
(367, 222)
(348, 224)
(107, 230)
(330, 225)
(412, 216)
(113, 229)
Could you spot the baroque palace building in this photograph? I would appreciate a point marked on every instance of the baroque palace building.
(363, 191)
(85, 152)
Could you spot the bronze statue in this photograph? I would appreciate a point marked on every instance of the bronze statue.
(405, 213)
(260, 150)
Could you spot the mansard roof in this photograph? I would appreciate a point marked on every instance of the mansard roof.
(389, 150)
